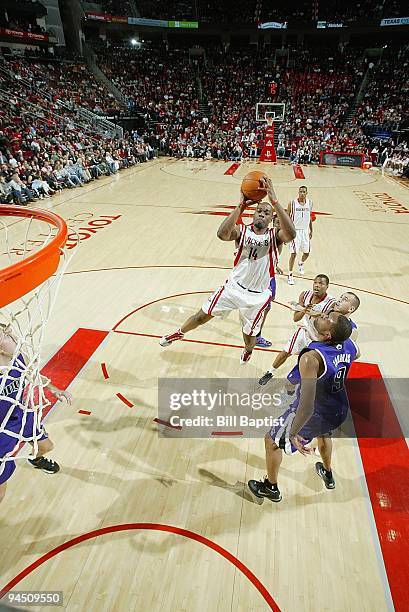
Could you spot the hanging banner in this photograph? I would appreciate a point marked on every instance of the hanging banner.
(395, 21)
(272, 25)
(155, 23)
(327, 24)
(24, 36)
(183, 24)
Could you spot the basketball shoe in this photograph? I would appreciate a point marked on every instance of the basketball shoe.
(245, 357)
(47, 465)
(263, 342)
(266, 378)
(290, 279)
(301, 268)
(167, 340)
(326, 476)
(262, 489)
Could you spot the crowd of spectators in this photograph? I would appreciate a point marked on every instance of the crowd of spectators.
(251, 11)
(173, 9)
(43, 149)
(116, 7)
(158, 82)
(67, 81)
(396, 160)
(317, 88)
(14, 18)
(204, 11)
(385, 103)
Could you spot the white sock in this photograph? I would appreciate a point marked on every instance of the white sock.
(272, 370)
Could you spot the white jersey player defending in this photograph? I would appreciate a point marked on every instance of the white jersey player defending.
(300, 213)
(310, 304)
(247, 288)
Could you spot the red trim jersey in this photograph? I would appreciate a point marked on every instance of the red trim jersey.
(255, 259)
(325, 305)
(300, 214)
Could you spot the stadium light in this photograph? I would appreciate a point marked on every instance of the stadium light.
(134, 42)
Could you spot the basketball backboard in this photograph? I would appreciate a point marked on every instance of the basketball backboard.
(275, 110)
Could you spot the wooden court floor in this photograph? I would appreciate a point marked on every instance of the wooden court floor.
(137, 522)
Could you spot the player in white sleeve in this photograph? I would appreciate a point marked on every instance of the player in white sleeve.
(310, 303)
(247, 288)
(300, 213)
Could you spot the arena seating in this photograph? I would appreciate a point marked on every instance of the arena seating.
(42, 147)
(116, 7)
(49, 150)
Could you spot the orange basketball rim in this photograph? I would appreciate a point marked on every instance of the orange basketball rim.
(22, 277)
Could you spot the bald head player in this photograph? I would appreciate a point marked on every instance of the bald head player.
(320, 405)
(247, 288)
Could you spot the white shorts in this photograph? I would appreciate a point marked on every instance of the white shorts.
(298, 341)
(301, 242)
(251, 306)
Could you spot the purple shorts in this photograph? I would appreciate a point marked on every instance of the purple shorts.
(8, 443)
(318, 426)
(273, 287)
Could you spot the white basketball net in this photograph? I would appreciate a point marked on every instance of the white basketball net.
(22, 331)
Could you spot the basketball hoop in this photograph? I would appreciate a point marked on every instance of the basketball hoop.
(21, 277)
(270, 121)
(31, 271)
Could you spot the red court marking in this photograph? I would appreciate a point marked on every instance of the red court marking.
(88, 412)
(229, 206)
(227, 433)
(146, 267)
(387, 297)
(217, 213)
(168, 297)
(382, 295)
(386, 466)
(298, 172)
(66, 364)
(72, 356)
(256, 348)
(151, 527)
(167, 424)
(104, 371)
(232, 168)
(124, 400)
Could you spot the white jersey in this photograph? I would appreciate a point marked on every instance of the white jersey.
(325, 305)
(255, 259)
(301, 214)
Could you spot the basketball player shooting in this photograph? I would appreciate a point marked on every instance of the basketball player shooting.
(247, 288)
(300, 213)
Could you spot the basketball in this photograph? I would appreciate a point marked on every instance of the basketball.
(251, 185)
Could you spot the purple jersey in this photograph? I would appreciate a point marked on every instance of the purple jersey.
(330, 396)
(13, 419)
(331, 400)
(11, 394)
